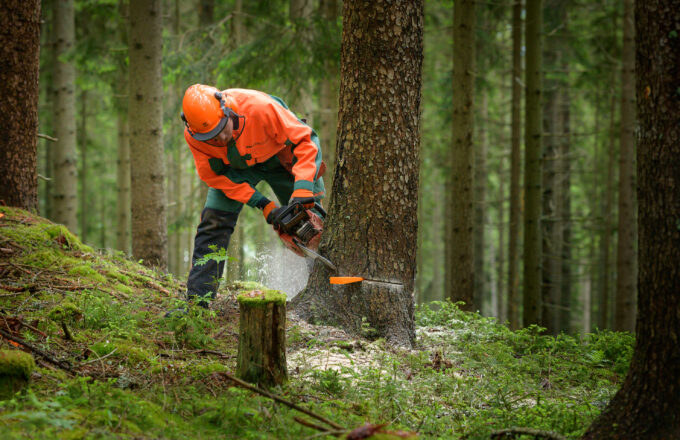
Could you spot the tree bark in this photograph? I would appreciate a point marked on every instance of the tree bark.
(261, 355)
(481, 299)
(626, 261)
(65, 172)
(532, 166)
(19, 66)
(648, 404)
(82, 174)
(149, 235)
(515, 169)
(564, 173)
(123, 184)
(329, 103)
(460, 262)
(371, 228)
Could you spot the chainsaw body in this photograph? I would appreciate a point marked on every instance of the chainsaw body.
(298, 226)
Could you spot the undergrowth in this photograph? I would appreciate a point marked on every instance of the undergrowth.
(141, 375)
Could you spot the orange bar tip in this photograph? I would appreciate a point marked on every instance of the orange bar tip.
(345, 280)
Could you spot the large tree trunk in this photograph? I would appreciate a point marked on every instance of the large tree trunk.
(626, 261)
(371, 228)
(149, 235)
(515, 169)
(532, 166)
(648, 404)
(460, 259)
(65, 173)
(19, 65)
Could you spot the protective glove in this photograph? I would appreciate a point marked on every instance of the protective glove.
(268, 208)
(303, 197)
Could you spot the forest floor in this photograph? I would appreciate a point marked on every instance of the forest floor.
(113, 367)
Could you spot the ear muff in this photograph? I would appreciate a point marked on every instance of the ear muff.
(227, 110)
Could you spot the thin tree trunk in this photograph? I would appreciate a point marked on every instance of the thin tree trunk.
(564, 174)
(532, 167)
(300, 11)
(481, 297)
(329, 103)
(626, 259)
(82, 175)
(606, 294)
(550, 233)
(460, 265)
(123, 184)
(515, 169)
(20, 31)
(149, 235)
(65, 172)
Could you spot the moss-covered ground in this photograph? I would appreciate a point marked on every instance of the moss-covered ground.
(135, 374)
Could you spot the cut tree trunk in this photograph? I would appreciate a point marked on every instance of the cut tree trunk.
(262, 338)
(371, 228)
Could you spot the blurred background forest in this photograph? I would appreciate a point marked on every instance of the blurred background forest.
(291, 49)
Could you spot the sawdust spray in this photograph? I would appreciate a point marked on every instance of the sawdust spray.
(280, 269)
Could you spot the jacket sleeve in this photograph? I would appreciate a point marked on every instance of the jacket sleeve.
(285, 128)
(212, 171)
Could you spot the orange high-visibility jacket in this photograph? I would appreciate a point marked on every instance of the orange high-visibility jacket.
(269, 129)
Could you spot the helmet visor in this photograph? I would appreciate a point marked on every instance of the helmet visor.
(212, 133)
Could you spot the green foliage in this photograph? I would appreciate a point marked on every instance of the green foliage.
(191, 329)
(218, 255)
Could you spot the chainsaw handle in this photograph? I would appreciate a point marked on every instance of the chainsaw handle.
(308, 200)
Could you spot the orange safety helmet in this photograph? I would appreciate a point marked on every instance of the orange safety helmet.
(205, 111)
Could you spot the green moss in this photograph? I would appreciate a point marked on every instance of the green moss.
(258, 298)
(102, 348)
(129, 351)
(204, 369)
(67, 311)
(247, 286)
(40, 234)
(85, 271)
(113, 274)
(123, 289)
(16, 363)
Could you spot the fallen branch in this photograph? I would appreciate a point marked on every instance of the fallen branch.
(61, 364)
(309, 424)
(516, 432)
(13, 289)
(49, 138)
(100, 358)
(281, 400)
(216, 353)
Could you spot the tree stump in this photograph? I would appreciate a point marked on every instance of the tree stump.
(262, 337)
(15, 372)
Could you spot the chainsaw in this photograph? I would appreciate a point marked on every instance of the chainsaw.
(300, 230)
